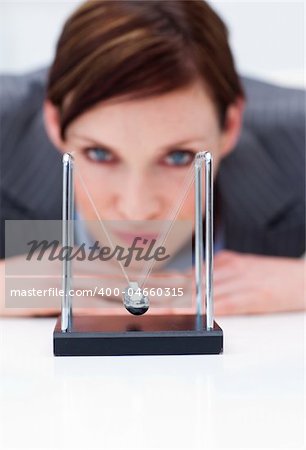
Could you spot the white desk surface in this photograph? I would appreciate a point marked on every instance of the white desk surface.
(250, 397)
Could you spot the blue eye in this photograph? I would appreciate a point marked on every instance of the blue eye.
(179, 158)
(99, 155)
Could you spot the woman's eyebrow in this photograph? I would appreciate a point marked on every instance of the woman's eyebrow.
(94, 142)
(183, 142)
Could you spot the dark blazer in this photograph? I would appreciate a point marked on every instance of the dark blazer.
(261, 184)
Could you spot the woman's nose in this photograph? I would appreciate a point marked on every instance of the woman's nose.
(138, 200)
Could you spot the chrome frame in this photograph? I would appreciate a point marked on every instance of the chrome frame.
(204, 157)
(68, 239)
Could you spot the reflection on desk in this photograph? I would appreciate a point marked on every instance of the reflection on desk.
(251, 396)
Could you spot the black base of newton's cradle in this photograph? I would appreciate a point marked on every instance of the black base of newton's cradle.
(107, 335)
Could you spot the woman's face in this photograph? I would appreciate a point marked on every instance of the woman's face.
(134, 155)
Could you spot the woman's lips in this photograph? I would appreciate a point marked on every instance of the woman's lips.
(130, 237)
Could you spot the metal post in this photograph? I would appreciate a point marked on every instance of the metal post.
(199, 244)
(198, 240)
(209, 242)
(67, 239)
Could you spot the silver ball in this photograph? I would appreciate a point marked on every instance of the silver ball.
(134, 300)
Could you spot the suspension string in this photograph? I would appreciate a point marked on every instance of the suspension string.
(163, 235)
(101, 222)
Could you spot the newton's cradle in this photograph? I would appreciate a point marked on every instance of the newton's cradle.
(142, 333)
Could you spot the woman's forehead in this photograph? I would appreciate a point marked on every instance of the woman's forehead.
(182, 115)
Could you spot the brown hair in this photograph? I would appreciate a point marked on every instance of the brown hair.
(136, 49)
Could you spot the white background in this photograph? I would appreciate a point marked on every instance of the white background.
(251, 397)
(267, 37)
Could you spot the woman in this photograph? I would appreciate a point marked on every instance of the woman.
(135, 90)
